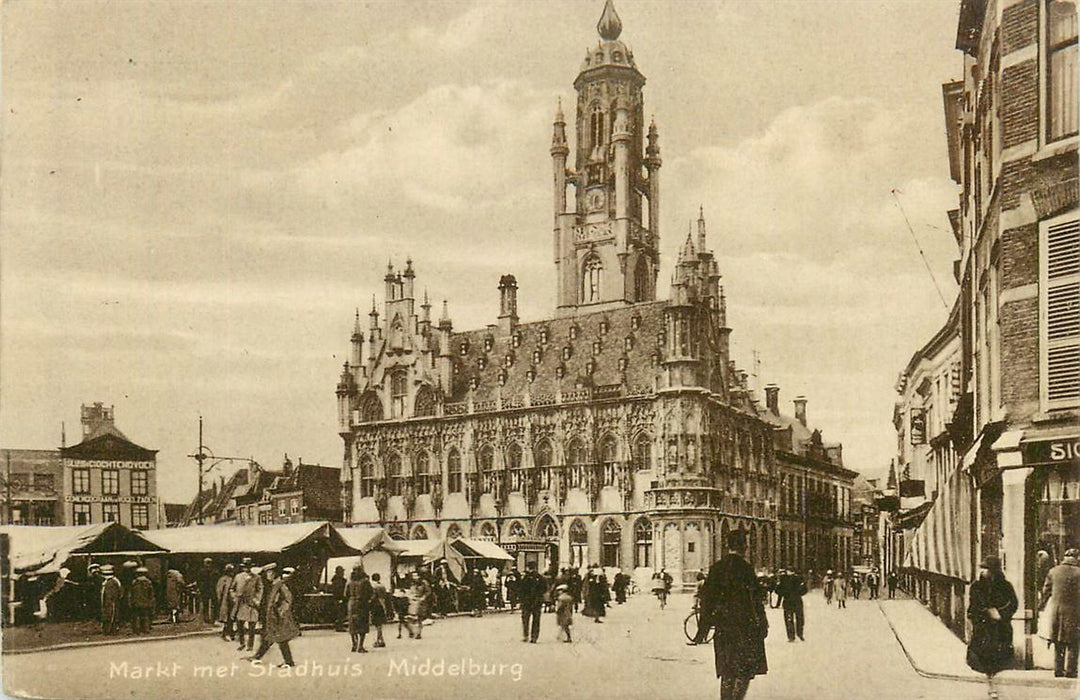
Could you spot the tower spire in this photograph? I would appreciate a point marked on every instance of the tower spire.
(609, 26)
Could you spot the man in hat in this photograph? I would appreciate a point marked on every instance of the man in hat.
(207, 582)
(531, 590)
(141, 599)
(223, 597)
(111, 594)
(248, 592)
(92, 592)
(1062, 590)
(267, 575)
(281, 626)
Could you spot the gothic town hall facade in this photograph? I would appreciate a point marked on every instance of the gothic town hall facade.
(617, 432)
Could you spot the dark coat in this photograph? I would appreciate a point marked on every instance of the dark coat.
(111, 593)
(735, 604)
(225, 603)
(280, 624)
(597, 595)
(142, 593)
(1062, 589)
(531, 589)
(790, 589)
(990, 649)
(359, 595)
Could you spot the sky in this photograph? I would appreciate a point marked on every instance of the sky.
(196, 197)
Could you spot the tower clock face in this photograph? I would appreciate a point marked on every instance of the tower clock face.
(595, 200)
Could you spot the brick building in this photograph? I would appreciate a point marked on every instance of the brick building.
(31, 487)
(1012, 137)
(617, 432)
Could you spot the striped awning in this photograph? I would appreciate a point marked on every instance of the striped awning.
(942, 544)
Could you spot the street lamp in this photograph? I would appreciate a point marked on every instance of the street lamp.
(203, 455)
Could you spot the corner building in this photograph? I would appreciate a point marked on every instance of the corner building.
(617, 432)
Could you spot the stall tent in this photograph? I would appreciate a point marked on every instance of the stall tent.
(375, 551)
(44, 550)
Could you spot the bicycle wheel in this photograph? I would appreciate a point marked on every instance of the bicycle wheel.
(690, 627)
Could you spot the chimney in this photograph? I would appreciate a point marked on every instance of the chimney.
(508, 317)
(800, 409)
(772, 398)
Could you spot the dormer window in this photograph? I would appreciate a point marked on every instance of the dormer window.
(464, 348)
(635, 322)
(603, 327)
(655, 359)
(489, 343)
(474, 382)
(560, 372)
(623, 363)
(567, 351)
(537, 357)
(574, 332)
(617, 56)
(596, 347)
(481, 363)
(661, 338)
(530, 375)
(628, 343)
(508, 361)
(502, 377)
(590, 367)
(515, 341)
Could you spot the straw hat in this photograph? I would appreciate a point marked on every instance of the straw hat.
(107, 569)
(142, 570)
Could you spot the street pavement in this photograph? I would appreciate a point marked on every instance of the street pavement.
(638, 652)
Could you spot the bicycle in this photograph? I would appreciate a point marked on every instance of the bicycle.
(690, 628)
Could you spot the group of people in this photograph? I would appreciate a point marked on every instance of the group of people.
(255, 601)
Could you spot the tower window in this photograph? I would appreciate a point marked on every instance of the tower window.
(398, 391)
(590, 280)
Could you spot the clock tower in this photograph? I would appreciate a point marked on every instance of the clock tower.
(607, 248)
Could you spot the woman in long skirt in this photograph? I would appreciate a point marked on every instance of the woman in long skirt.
(991, 607)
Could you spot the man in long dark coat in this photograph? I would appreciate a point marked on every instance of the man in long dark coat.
(281, 627)
(1062, 591)
(790, 589)
(111, 594)
(735, 605)
(531, 589)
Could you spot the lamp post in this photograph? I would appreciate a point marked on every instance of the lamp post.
(205, 454)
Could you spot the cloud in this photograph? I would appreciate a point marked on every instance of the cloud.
(458, 34)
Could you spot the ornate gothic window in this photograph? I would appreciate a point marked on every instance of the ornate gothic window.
(516, 465)
(367, 476)
(641, 281)
(395, 474)
(453, 471)
(517, 531)
(548, 529)
(542, 460)
(487, 530)
(610, 543)
(486, 462)
(370, 407)
(596, 122)
(423, 472)
(608, 449)
(643, 542)
(579, 545)
(419, 533)
(425, 402)
(454, 532)
(399, 388)
(591, 272)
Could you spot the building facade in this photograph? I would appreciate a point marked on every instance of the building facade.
(107, 477)
(815, 514)
(32, 482)
(617, 432)
(1011, 124)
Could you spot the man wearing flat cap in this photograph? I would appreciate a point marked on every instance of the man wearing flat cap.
(1062, 591)
(141, 598)
(111, 594)
(281, 626)
(248, 585)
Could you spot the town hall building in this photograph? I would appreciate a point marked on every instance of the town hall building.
(618, 431)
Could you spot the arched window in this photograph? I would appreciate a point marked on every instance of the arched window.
(486, 463)
(596, 126)
(516, 465)
(641, 280)
(367, 476)
(608, 450)
(579, 545)
(610, 542)
(454, 532)
(576, 457)
(423, 472)
(425, 402)
(517, 531)
(591, 272)
(643, 542)
(542, 459)
(547, 529)
(370, 407)
(487, 530)
(642, 452)
(394, 472)
(419, 533)
(453, 471)
(398, 391)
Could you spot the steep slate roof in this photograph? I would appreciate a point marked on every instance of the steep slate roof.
(639, 375)
(108, 446)
(321, 486)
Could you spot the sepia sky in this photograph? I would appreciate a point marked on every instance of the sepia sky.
(197, 195)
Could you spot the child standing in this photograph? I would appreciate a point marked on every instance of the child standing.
(564, 611)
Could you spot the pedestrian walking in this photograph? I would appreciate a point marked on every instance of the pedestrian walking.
(111, 593)
(142, 601)
(382, 610)
(358, 595)
(597, 595)
(827, 587)
(511, 582)
(337, 590)
(248, 585)
(174, 594)
(564, 611)
(659, 589)
(281, 627)
(856, 584)
(873, 584)
(790, 589)
(225, 602)
(992, 603)
(1062, 592)
(207, 581)
(734, 604)
(401, 607)
(840, 587)
(891, 580)
(531, 589)
(576, 584)
(420, 594)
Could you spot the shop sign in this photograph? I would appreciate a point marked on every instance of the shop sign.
(1060, 451)
(918, 426)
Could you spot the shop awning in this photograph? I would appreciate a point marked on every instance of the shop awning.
(44, 550)
(366, 539)
(480, 549)
(942, 543)
(251, 539)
